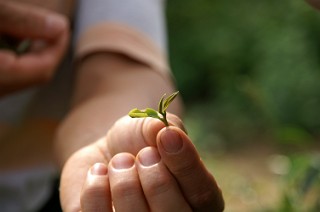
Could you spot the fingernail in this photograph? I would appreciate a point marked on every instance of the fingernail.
(149, 156)
(55, 24)
(99, 169)
(171, 141)
(122, 161)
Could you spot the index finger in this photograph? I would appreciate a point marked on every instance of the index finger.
(33, 67)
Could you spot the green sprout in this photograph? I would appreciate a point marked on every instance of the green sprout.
(13, 44)
(161, 114)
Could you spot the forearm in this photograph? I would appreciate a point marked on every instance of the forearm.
(107, 87)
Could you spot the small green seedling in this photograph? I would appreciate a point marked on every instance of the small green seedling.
(161, 114)
(13, 44)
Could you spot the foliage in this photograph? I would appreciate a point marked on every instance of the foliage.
(301, 190)
(252, 65)
(161, 114)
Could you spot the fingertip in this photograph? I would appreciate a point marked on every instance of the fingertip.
(152, 127)
(148, 157)
(95, 194)
(55, 24)
(170, 140)
(150, 130)
(99, 169)
(122, 161)
(176, 121)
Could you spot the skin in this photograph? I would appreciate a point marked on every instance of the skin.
(166, 178)
(107, 159)
(132, 167)
(49, 33)
(146, 176)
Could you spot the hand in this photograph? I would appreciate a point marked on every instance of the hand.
(140, 166)
(48, 33)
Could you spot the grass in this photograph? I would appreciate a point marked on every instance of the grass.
(258, 177)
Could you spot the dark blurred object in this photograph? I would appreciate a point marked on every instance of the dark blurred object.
(53, 204)
(14, 44)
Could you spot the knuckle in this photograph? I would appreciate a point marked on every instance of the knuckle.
(185, 170)
(94, 197)
(208, 196)
(96, 190)
(199, 200)
(158, 185)
(204, 195)
(125, 189)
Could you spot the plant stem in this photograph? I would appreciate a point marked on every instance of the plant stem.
(164, 119)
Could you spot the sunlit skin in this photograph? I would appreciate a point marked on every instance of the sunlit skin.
(104, 154)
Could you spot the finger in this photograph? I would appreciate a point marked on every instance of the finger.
(95, 195)
(125, 185)
(7, 58)
(25, 21)
(74, 175)
(180, 156)
(159, 186)
(131, 135)
(176, 121)
(43, 61)
(33, 67)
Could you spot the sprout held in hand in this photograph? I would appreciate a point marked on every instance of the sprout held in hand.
(161, 114)
(14, 44)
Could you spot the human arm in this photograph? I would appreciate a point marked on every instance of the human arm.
(185, 166)
(102, 100)
(107, 87)
(119, 70)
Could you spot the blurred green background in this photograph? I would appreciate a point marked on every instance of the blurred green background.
(252, 66)
(249, 73)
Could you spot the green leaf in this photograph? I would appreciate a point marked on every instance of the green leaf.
(136, 113)
(160, 105)
(169, 100)
(152, 113)
(149, 112)
(23, 46)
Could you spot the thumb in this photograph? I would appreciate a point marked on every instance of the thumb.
(26, 21)
(132, 135)
(183, 161)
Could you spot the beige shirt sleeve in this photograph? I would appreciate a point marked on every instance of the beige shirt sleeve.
(111, 37)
